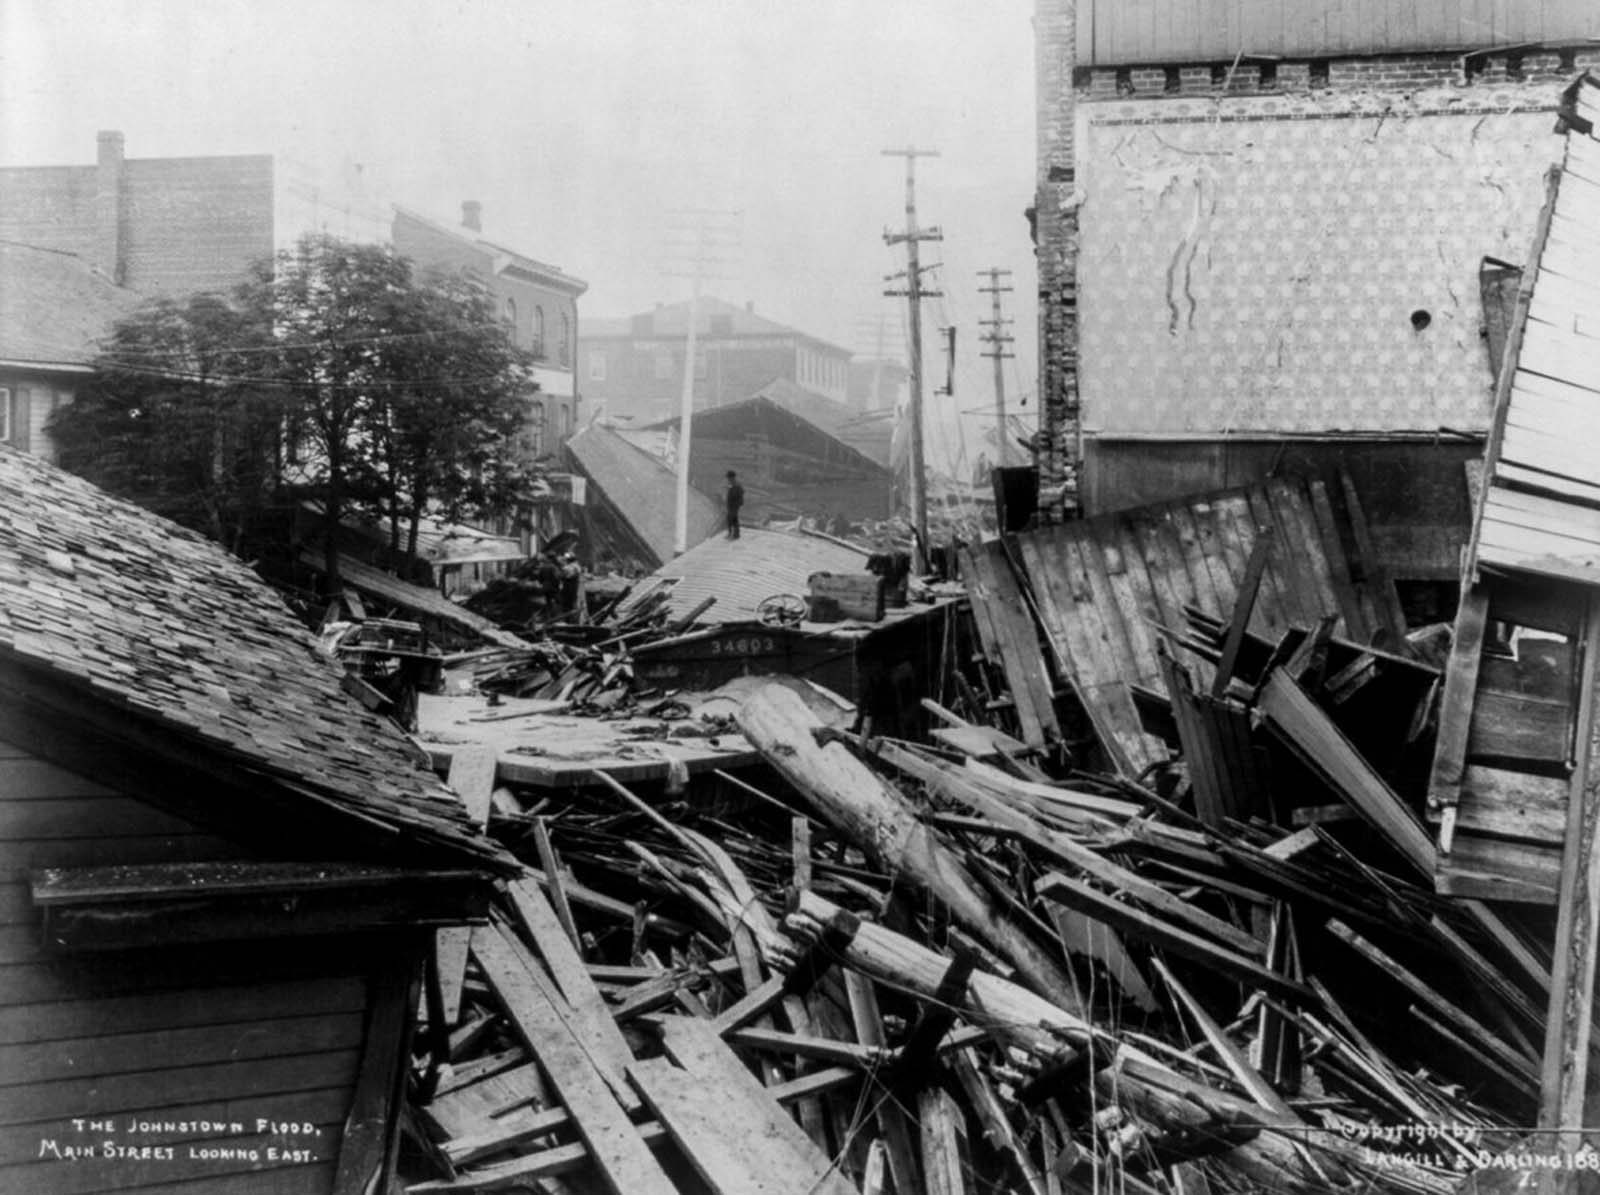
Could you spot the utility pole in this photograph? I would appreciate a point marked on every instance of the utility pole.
(699, 234)
(997, 338)
(915, 293)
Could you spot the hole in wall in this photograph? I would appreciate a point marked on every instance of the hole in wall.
(1420, 319)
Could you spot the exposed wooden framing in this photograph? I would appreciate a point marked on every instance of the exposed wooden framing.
(1564, 1075)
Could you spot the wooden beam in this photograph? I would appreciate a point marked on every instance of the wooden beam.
(614, 1144)
(1243, 605)
(945, 1159)
(1564, 1075)
(694, 1045)
(1298, 720)
(371, 1137)
(472, 773)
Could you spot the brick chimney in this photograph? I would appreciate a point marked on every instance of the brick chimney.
(472, 215)
(108, 191)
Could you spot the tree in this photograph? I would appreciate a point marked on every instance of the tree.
(335, 374)
(169, 422)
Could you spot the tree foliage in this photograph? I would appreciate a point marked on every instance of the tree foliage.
(333, 372)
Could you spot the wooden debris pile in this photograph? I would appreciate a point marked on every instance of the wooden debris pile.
(899, 968)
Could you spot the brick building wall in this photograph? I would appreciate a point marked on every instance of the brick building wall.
(171, 226)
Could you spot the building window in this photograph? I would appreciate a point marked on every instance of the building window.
(5, 416)
(511, 312)
(597, 365)
(699, 363)
(536, 428)
(664, 370)
(538, 331)
(565, 348)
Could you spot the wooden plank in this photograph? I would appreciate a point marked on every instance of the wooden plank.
(695, 1046)
(371, 1138)
(29, 778)
(1068, 637)
(1511, 727)
(1564, 1075)
(1243, 609)
(1103, 553)
(893, 1122)
(473, 1108)
(1499, 869)
(1135, 922)
(1310, 562)
(1292, 713)
(722, 1142)
(591, 1019)
(137, 1091)
(65, 1020)
(1006, 631)
(125, 1052)
(1299, 609)
(472, 777)
(1147, 533)
(1499, 803)
(1207, 597)
(622, 1158)
(946, 1161)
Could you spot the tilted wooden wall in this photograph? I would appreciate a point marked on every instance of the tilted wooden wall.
(262, 1029)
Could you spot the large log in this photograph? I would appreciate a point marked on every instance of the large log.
(876, 818)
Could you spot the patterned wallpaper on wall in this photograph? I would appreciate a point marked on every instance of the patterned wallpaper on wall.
(1256, 266)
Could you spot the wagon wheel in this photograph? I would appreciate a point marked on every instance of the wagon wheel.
(781, 610)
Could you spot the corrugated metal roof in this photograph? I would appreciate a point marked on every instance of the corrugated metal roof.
(642, 488)
(739, 573)
(1538, 510)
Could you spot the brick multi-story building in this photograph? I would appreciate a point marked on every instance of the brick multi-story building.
(537, 301)
(168, 226)
(1261, 227)
(635, 365)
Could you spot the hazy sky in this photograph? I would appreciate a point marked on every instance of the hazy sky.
(582, 127)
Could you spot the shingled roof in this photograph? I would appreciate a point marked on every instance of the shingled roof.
(151, 619)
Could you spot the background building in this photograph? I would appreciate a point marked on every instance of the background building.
(1261, 230)
(537, 301)
(168, 226)
(635, 365)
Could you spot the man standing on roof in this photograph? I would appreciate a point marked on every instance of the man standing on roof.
(733, 499)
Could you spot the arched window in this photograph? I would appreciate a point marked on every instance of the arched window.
(511, 313)
(566, 339)
(538, 331)
(536, 429)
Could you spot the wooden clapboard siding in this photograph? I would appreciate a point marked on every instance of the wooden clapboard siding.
(1124, 32)
(1100, 583)
(232, 1032)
